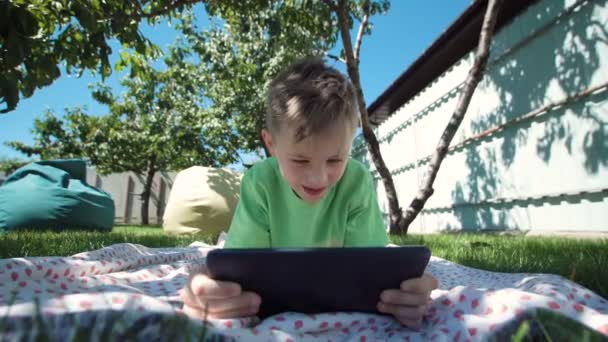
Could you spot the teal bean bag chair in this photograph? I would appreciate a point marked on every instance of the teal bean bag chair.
(53, 194)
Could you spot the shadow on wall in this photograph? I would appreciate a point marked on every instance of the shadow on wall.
(221, 181)
(565, 56)
(161, 186)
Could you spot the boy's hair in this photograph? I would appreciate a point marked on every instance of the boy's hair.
(310, 96)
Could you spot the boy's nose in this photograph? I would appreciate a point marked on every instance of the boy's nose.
(318, 177)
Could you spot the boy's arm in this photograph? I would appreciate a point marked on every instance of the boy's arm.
(249, 227)
(365, 225)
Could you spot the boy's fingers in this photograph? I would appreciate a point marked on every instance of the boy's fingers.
(424, 284)
(203, 286)
(190, 299)
(200, 288)
(202, 315)
(415, 324)
(403, 312)
(247, 304)
(238, 313)
(408, 316)
(399, 297)
(194, 312)
(244, 300)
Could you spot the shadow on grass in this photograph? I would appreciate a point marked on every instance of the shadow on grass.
(49, 243)
(580, 261)
(546, 325)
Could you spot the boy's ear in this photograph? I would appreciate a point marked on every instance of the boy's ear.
(267, 137)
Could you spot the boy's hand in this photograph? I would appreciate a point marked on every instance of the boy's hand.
(409, 303)
(207, 298)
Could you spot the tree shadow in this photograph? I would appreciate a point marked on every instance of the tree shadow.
(225, 183)
(563, 59)
(161, 182)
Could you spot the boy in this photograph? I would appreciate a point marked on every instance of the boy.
(308, 194)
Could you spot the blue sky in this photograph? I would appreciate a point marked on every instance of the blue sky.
(398, 38)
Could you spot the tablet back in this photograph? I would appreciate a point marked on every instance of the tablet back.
(318, 279)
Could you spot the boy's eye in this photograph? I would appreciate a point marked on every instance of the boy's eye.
(335, 161)
(300, 161)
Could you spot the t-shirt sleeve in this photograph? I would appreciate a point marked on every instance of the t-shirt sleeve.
(365, 226)
(249, 227)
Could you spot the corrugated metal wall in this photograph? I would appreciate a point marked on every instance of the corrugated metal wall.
(518, 161)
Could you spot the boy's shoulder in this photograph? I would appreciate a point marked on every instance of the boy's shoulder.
(266, 169)
(263, 165)
(356, 170)
(356, 180)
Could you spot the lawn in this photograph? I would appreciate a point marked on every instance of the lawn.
(49, 243)
(578, 260)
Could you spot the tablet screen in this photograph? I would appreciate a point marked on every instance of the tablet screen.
(314, 280)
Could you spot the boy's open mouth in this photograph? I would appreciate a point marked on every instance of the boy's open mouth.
(313, 191)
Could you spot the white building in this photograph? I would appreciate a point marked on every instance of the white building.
(532, 151)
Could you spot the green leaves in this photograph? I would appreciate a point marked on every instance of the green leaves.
(51, 139)
(159, 123)
(211, 96)
(9, 165)
(257, 40)
(37, 36)
(239, 58)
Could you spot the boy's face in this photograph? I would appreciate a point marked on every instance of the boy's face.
(311, 166)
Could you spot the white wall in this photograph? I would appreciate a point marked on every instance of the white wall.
(545, 174)
(126, 198)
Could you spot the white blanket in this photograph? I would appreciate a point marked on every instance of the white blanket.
(136, 281)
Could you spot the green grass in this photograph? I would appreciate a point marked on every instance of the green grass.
(51, 243)
(575, 259)
(546, 325)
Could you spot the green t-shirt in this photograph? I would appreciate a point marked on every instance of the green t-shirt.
(270, 214)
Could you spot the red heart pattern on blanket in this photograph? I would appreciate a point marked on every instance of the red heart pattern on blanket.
(470, 304)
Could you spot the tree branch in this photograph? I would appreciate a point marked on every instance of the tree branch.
(332, 5)
(473, 78)
(396, 215)
(336, 58)
(362, 28)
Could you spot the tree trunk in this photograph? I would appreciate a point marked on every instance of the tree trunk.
(471, 82)
(352, 63)
(145, 195)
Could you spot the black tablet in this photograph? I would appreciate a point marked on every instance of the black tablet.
(313, 280)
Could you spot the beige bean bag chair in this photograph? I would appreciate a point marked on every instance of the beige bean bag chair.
(202, 199)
